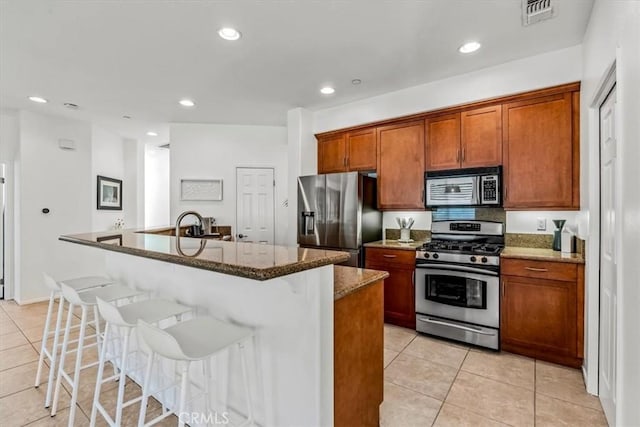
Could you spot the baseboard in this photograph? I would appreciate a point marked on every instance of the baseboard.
(31, 301)
(585, 378)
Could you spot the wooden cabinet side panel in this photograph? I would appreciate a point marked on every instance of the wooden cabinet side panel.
(358, 357)
(538, 159)
(442, 142)
(576, 150)
(481, 137)
(401, 166)
(362, 150)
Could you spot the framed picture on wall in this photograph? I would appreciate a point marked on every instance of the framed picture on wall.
(109, 193)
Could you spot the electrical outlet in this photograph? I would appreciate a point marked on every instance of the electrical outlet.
(542, 224)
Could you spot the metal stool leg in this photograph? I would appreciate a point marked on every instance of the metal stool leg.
(184, 383)
(245, 379)
(96, 395)
(45, 335)
(63, 354)
(146, 383)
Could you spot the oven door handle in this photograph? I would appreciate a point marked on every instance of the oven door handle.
(452, 267)
(454, 325)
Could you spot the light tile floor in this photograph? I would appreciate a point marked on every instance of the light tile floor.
(433, 382)
(21, 404)
(427, 382)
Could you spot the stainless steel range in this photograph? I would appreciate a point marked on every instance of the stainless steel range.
(458, 282)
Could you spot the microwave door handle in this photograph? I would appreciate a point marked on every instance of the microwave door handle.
(454, 325)
(475, 197)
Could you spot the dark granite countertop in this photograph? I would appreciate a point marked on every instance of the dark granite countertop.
(250, 260)
(347, 280)
(395, 244)
(540, 254)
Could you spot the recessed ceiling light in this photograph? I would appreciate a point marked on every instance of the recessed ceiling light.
(228, 33)
(38, 99)
(327, 90)
(187, 103)
(469, 47)
(356, 81)
(152, 133)
(126, 117)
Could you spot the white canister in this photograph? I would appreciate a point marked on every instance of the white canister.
(405, 234)
(566, 244)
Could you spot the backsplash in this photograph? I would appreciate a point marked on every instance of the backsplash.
(417, 235)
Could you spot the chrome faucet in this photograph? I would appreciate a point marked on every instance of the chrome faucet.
(181, 217)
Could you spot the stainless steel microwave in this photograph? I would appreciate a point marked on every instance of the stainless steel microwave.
(464, 187)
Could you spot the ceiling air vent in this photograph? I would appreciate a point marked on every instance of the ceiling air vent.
(534, 11)
(164, 146)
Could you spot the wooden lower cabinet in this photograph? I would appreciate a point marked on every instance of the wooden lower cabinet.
(358, 357)
(399, 287)
(542, 310)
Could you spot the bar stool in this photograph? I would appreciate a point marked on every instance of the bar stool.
(78, 283)
(191, 341)
(85, 300)
(126, 317)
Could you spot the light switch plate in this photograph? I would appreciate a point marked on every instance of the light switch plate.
(542, 224)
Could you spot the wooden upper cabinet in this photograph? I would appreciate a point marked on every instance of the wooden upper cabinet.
(442, 142)
(332, 154)
(481, 137)
(401, 166)
(540, 153)
(362, 150)
(469, 139)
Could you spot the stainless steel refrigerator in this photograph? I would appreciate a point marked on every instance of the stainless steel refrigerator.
(338, 211)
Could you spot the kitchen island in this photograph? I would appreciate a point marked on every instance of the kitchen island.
(285, 294)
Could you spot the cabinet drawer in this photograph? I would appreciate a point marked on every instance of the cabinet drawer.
(539, 269)
(391, 257)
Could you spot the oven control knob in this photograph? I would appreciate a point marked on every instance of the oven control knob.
(436, 256)
(484, 259)
(426, 255)
(473, 259)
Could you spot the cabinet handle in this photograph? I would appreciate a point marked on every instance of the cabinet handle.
(344, 162)
(458, 155)
(506, 193)
(542, 270)
(389, 256)
(463, 151)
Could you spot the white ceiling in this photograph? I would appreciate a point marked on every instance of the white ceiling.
(138, 58)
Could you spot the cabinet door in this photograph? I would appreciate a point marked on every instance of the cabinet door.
(401, 166)
(332, 154)
(539, 316)
(442, 146)
(362, 150)
(538, 152)
(481, 139)
(399, 296)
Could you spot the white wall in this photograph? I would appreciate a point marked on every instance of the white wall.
(203, 151)
(133, 206)
(548, 69)
(156, 195)
(613, 35)
(57, 179)
(106, 160)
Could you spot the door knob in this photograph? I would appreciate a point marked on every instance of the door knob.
(242, 236)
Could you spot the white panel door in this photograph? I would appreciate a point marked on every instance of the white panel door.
(255, 205)
(608, 278)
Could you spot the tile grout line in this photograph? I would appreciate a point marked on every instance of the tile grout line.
(451, 386)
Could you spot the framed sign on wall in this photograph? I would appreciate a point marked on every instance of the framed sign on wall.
(109, 193)
(201, 189)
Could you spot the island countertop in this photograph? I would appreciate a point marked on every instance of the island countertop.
(347, 280)
(249, 260)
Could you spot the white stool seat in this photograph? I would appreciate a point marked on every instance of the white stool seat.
(151, 311)
(195, 340)
(80, 283)
(191, 334)
(86, 300)
(108, 293)
(125, 319)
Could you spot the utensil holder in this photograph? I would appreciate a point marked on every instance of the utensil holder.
(405, 234)
(557, 234)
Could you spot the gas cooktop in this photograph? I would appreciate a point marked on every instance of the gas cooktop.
(454, 246)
